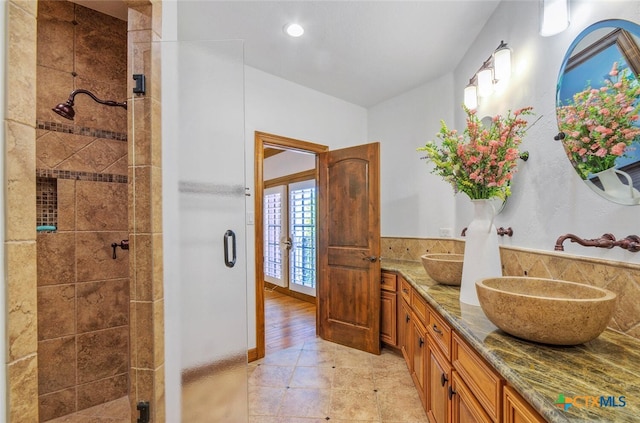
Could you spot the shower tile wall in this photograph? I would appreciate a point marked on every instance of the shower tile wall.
(83, 293)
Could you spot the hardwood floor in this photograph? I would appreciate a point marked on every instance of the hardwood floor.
(287, 321)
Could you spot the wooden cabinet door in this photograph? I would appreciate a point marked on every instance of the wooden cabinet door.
(438, 382)
(465, 408)
(388, 312)
(419, 354)
(406, 333)
(517, 410)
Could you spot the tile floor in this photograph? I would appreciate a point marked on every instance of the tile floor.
(320, 381)
(315, 382)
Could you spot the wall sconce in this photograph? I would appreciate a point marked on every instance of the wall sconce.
(497, 68)
(554, 17)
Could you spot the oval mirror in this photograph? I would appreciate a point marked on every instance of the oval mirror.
(597, 109)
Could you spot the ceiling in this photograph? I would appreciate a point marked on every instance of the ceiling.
(363, 52)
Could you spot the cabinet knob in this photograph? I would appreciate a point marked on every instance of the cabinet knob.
(408, 318)
(451, 392)
(421, 342)
(436, 330)
(443, 379)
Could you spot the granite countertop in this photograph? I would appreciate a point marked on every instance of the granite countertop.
(608, 366)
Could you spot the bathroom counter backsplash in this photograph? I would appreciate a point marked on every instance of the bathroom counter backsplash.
(608, 366)
(619, 277)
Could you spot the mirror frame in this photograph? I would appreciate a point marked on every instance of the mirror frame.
(620, 35)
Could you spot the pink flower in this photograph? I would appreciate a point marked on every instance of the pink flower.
(601, 152)
(618, 149)
(614, 69)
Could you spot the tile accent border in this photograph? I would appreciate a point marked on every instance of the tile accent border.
(81, 176)
(81, 130)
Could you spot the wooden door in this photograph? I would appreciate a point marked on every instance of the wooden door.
(349, 247)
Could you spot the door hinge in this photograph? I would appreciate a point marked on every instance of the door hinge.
(143, 410)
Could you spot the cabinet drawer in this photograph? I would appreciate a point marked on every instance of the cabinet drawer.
(481, 379)
(419, 306)
(405, 288)
(389, 282)
(440, 332)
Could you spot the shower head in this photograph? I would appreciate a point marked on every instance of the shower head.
(66, 109)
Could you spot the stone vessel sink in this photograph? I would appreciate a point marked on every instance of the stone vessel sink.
(445, 269)
(546, 310)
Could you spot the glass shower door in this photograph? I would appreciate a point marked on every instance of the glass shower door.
(211, 237)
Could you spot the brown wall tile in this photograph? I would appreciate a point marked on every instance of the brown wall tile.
(66, 205)
(56, 364)
(105, 35)
(55, 37)
(142, 267)
(57, 404)
(95, 157)
(101, 206)
(20, 171)
(21, 75)
(103, 354)
(56, 258)
(22, 299)
(102, 391)
(56, 311)
(95, 256)
(56, 148)
(62, 10)
(22, 390)
(102, 305)
(143, 331)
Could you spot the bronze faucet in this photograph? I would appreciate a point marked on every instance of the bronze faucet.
(630, 243)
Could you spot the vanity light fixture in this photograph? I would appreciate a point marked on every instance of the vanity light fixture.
(554, 17)
(293, 30)
(497, 68)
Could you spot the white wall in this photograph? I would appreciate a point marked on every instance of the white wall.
(287, 163)
(549, 199)
(413, 202)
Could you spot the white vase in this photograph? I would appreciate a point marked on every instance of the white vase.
(614, 188)
(481, 251)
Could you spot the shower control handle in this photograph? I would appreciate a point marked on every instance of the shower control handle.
(124, 244)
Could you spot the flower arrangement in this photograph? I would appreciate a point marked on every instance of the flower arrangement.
(599, 124)
(481, 161)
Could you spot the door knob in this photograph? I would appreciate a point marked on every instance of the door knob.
(287, 243)
(372, 259)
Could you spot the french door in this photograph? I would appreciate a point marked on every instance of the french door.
(290, 236)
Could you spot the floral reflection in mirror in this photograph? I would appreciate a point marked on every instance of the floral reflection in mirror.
(598, 109)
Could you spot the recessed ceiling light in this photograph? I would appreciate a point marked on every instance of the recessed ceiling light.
(293, 30)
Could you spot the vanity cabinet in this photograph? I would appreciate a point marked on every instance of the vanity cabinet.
(517, 410)
(389, 309)
(453, 381)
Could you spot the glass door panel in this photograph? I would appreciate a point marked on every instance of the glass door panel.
(209, 86)
(302, 231)
(276, 240)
